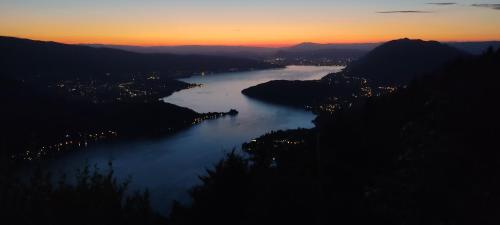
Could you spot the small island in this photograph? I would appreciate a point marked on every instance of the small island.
(232, 112)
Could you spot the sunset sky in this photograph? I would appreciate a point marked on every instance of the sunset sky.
(248, 22)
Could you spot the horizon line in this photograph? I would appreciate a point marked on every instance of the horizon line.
(255, 45)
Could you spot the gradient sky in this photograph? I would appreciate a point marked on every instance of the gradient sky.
(247, 22)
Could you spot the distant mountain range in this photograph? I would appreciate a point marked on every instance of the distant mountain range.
(307, 50)
(252, 52)
(234, 51)
(310, 46)
(307, 53)
(23, 58)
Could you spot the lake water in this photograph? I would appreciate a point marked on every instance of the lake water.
(169, 167)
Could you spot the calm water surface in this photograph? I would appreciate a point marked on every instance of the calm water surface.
(170, 166)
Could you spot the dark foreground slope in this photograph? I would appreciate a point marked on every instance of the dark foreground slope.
(425, 155)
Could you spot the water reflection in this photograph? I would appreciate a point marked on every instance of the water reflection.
(170, 166)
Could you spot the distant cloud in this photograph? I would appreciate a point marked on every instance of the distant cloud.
(442, 3)
(418, 11)
(404, 11)
(491, 6)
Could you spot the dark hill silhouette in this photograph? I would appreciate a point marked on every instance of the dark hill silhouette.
(307, 94)
(400, 61)
(23, 58)
(293, 93)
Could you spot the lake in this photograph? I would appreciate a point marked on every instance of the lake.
(169, 167)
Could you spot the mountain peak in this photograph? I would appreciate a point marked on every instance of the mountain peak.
(306, 44)
(399, 61)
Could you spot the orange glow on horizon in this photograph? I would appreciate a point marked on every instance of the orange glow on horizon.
(147, 43)
(265, 25)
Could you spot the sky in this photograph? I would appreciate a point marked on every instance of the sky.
(248, 22)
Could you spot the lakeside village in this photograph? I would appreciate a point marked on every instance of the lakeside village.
(140, 89)
(81, 140)
(308, 61)
(359, 89)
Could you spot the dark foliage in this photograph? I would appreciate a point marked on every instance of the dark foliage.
(92, 198)
(425, 155)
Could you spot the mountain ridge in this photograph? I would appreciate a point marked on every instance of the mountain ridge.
(51, 59)
(399, 61)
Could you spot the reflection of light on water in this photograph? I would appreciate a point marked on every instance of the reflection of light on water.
(170, 166)
(232, 83)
